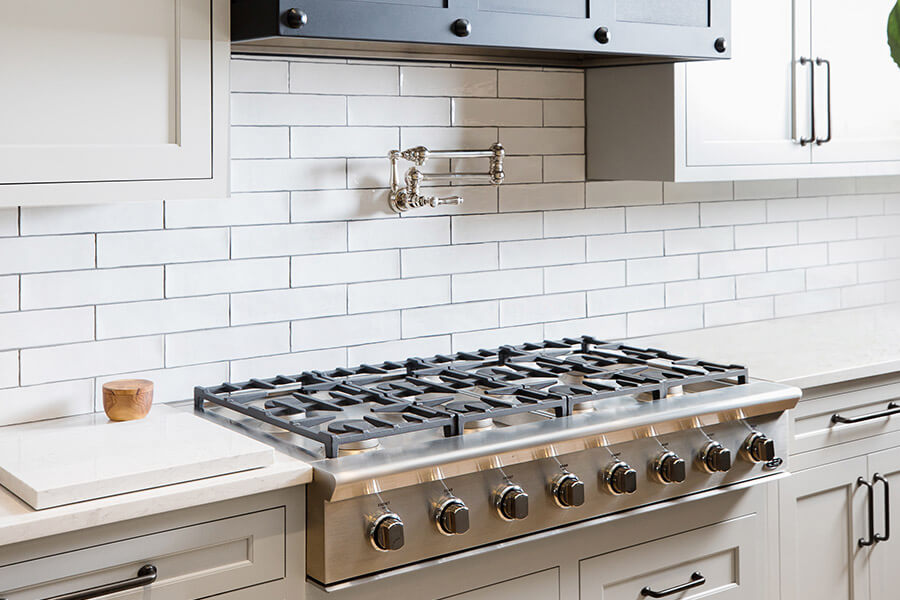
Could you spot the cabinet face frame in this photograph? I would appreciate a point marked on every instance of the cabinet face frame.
(194, 164)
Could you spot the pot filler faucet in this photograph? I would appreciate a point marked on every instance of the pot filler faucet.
(406, 193)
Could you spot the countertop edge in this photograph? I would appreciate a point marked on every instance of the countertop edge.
(20, 523)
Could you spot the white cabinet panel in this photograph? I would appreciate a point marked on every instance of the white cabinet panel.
(822, 513)
(103, 91)
(724, 555)
(865, 82)
(884, 575)
(741, 111)
(543, 585)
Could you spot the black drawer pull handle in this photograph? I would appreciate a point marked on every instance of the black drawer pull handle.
(887, 508)
(870, 504)
(697, 579)
(145, 576)
(892, 409)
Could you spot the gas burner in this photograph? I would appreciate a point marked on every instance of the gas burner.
(349, 409)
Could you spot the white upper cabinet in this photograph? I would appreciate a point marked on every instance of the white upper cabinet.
(772, 111)
(105, 100)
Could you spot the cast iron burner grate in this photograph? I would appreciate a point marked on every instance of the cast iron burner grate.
(351, 405)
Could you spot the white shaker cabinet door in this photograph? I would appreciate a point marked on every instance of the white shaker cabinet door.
(742, 111)
(105, 91)
(884, 574)
(823, 515)
(865, 82)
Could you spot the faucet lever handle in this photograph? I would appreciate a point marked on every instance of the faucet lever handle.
(434, 201)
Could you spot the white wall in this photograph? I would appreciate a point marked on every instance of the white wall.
(306, 267)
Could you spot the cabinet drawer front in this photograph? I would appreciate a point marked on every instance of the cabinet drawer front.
(814, 428)
(192, 562)
(543, 585)
(724, 554)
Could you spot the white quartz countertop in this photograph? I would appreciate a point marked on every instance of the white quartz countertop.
(19, 522)
(806, 351)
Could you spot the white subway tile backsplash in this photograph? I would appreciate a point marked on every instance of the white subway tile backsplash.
(626, 299)
(538, 309)
(271, 273)
(77, 288)
(807, 302)
(351, 330)
(239, 209)
(540, 84)
(828, 230)
(159, 247)
(9, 293)
(708, 239)
(39, 402)
(475, 112)
(792, 257)
(321, 269)
(486, 228)
(441, 260)
(440, 81)
(767, 284)
(317, 142)
(399, 233)
(717, 264)
(259, 76)
(592, 221)
(491, 285)
(767, 234)
(227, 276)
(665, 320)
(699, 291)
(287, 109)
(587, 276)
(541, 253)
(123, 216)
(655, 218)
(739, 212)
(406, 111)
(213, 345)
(400, 293)
(738, 311)
(285, 305)
(344, 79)
(46, 327)
(37, 254)
(669, 268)
(260, 142)
(89, 359)
(564, 113)
(161, 316)
(281, 240)
(627, 245)
(287, 174)
(450, 318)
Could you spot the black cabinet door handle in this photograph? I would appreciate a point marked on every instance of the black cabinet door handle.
(870, 503)
(812, 100)
(827, 63)
(887, 508)
(892, 409)
(145, 576)
(697, 579)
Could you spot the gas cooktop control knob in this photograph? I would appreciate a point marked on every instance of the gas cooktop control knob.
(715, 458)
(620, 478)
(669, 468)
(512, 503)
(759, 448)
(453, 517)
(568, 490)
(387, 532)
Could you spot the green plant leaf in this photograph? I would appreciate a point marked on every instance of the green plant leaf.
(893, 30)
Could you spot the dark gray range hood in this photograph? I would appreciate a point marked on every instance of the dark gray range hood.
(576, 32)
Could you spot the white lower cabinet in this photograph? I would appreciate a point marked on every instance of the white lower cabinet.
(884, 558)
(543, 585)
(719, 561)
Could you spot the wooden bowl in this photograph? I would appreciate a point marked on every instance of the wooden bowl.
(127, 399)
